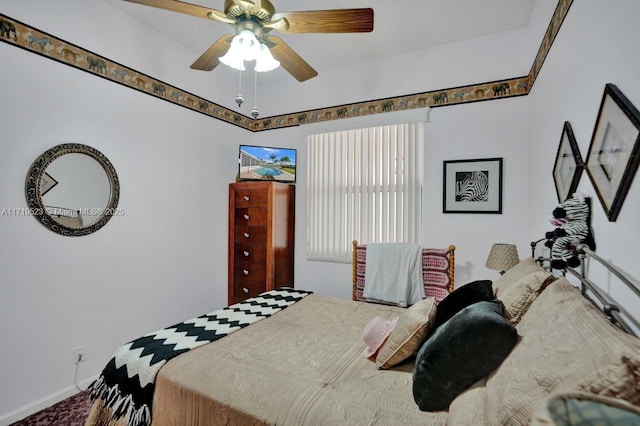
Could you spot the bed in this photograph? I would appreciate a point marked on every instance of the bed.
(303, 364)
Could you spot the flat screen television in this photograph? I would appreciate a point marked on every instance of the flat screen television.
(267, 163)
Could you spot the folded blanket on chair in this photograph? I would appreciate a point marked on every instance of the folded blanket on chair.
(394, 273)
(127, 383)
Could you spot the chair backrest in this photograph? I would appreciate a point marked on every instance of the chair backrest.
(438, 271)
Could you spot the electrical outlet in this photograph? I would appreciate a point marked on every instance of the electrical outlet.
(78, 354)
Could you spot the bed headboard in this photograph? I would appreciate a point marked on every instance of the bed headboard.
(595, 293)
(438, 270)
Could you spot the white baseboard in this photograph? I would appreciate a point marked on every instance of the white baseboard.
(34, 407)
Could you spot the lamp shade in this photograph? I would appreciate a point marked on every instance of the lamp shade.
(244, 47)
(502, 257)
(234, 58)
(265, 61)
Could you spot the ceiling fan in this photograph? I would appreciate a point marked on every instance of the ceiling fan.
(259, 17)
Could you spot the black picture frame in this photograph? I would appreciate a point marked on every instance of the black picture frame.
(613, 158)
(472, 186)
(47, 183)
(568, 167)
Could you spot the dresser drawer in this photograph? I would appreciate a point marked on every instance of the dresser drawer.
(251, 198)
(244, 290)
(250, 272)
(246, 254)
(250, 217)
(249, 281)
(250, 235)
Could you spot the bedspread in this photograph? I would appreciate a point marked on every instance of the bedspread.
(127, 383)
(301, 366)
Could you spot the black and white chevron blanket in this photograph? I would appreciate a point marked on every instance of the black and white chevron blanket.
(127, 383)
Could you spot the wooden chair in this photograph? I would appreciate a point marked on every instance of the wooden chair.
(438, 271)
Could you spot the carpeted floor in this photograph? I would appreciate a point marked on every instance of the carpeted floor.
(73, 411)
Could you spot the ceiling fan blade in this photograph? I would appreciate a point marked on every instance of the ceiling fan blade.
(289, 59)
(210, 58)
(328, 21)
(186, 8)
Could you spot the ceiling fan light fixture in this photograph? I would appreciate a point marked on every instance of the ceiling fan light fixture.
(265, 61)
(244, 47)
(259, 17)
(249, 44)
(233, 58)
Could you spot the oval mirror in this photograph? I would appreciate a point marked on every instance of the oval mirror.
(72, 189)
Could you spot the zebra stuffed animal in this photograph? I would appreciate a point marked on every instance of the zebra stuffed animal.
(573, 221)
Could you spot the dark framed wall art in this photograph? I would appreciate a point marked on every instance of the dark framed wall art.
(47, 183)
(568, 166)
(472, 186)
(613, 159)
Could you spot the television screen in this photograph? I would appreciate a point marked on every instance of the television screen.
(267, 163)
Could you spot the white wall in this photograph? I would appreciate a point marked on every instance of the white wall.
(478, 130)
(99, 27)
(596, 45)
(489, 58)
(162, 262)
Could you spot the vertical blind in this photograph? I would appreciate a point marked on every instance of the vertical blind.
(365, 185)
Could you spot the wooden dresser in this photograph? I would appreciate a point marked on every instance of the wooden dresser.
(261, 231)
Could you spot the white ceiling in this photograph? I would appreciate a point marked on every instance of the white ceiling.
(400, 26)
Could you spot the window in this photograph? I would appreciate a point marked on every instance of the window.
(364, 184)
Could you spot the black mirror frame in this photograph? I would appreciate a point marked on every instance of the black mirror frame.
(34, 197)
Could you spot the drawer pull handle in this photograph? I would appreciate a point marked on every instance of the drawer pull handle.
(246, 253)
(246, 272)
(245, 290)
(246, 235)
(247, 198)
(246, 216)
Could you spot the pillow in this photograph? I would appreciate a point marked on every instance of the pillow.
(460, 298)
(567, 345)
(525, 267)
(468, 347)
(520, 294)
(408, 334)
(586, 408)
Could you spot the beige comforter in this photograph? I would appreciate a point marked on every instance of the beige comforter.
(301, 366)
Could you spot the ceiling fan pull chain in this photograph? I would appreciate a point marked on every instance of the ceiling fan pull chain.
(239, 97)
(254, 111)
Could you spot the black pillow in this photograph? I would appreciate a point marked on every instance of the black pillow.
(468, 347)
(460, 298)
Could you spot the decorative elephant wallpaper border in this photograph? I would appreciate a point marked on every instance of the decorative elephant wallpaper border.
(49, 46)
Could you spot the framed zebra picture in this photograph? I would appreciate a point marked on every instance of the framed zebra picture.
(472, 186)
